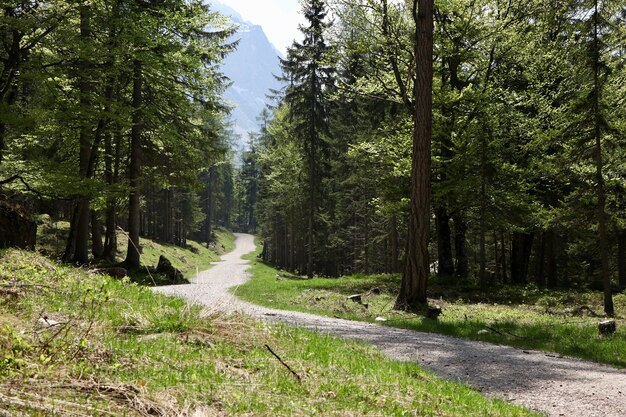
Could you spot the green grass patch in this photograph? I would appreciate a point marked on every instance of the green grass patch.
(76, 344)
(526, 317)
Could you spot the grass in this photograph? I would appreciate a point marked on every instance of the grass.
(525, 317)
(196, 257)
(72, 343)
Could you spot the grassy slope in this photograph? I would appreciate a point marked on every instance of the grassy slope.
(115, 348)
(51, 240)
(535, 319)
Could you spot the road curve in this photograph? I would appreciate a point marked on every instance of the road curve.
(552, 384)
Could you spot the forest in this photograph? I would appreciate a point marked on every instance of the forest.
(479, 140)
(112, 117)
(427, 221)
(520, 178)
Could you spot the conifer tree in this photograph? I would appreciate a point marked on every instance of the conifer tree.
(309, 76)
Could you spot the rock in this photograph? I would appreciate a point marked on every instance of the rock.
(380, 319)
(17, 228)
(166, 268)
(433, 312)
(607, 327)
(355, 298)
(47, 322)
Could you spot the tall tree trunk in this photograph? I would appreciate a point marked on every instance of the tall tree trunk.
(540, 255)
(81, 244)
(551, 254)
(521, 247)
(600, 191)
(111, 161)
(133, 256)
(393, 225)
(460, 247)
(416, 271)
(208, 220)
(311, 224)
(503, 244)
(97, 248)
(621, 259)
(444, 243)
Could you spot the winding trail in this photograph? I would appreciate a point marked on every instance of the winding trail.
(554, 385)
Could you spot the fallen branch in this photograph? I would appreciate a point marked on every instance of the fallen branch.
(283, 362)
(505, 332)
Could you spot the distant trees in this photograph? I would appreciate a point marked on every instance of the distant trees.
(527, 134)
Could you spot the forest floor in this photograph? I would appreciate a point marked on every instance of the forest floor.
(551, 383)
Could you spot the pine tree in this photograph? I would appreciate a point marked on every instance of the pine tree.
(309, 76)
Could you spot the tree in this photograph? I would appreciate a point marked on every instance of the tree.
(309, 75)
(417, 267)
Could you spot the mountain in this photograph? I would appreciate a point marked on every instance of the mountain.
(251, 69)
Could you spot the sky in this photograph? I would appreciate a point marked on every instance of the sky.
(279, 18)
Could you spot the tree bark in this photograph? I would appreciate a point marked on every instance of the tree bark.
(81, 235)
(521, 246)
(600, 191)
(621, 259)
(393, 225)
(444, 243)
(97, 248)
(416, 271)
(133, 256)
(460, 247)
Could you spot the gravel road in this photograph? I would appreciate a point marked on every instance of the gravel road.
(554, 385)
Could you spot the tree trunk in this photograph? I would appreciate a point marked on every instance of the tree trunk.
(97, 249)
(111, 163)
(416, 271)
(621, 259)
(601, 194)
(521, 246)
(460, 247)
(393, 225)
(540, 255)
(209, 208)
(81, 234)
(444, 243)
(551, 254)
(133, 257)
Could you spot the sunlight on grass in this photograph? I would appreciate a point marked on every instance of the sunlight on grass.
(525, 317)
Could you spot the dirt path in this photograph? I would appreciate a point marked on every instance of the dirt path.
(557, 386)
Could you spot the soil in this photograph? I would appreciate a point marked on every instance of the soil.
(546, 382)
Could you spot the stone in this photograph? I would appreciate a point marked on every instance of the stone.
(166, 268)
(607, 327)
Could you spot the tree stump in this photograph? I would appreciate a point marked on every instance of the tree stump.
(607, 327)
(433, 312)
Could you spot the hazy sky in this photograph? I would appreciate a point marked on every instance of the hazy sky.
(279, 18)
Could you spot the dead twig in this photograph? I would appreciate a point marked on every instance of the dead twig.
(504, 332)
(283, 362)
